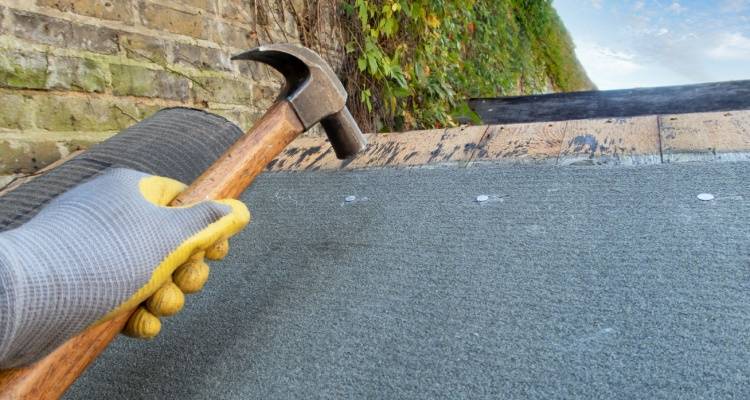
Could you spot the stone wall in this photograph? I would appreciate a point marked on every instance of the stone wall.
(74, 72)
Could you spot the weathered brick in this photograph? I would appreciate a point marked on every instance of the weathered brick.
(81, 74)
(202, 57)
(75, 120)
(147, 48)
(23, 69)
(208, 5)
(242, 118)
(176, 21)
(57, 32)
(256, 71)
(2, 19)
(239, 10)
(233, 36)
(221, 90)
(76, 144)
(147, 110)
(65, 113)
(116, 10)
(264, 95)
(131, 80)
(23, 157)
(16, 112)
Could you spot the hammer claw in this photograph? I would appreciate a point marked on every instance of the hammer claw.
(314, 91)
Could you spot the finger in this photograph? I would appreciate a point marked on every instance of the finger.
(142, 324)
(218, 251)
(191, 276)
(166, 301)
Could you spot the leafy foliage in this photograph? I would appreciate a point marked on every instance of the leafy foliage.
(418, 60)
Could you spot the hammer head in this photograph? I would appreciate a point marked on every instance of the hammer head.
(314, 91)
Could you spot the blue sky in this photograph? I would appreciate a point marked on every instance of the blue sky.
(641, 43)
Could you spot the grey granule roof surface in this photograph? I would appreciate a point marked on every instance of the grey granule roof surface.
(575, 282)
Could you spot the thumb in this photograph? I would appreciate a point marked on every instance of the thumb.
(213, 221)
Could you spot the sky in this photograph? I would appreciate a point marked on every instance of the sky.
(643, 43)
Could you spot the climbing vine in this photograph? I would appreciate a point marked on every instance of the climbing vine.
(413, 63)
(419, 60)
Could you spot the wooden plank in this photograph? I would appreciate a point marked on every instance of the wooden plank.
(707, 97)
(723, 136)
(416, 148)
(626, 141)
(538, 143)
(440, 146)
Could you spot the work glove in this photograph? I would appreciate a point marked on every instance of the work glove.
(107, 246)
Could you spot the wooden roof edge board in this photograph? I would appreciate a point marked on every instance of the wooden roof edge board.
(652, 139)
(23, 179)
(716, 136)
(705, 97)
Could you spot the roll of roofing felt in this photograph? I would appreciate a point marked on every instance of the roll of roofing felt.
(179, 143)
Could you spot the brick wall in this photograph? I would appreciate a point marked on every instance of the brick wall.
(74, 72)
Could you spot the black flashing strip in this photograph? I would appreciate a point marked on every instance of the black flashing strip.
(706, 97)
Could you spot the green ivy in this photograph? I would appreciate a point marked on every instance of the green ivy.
(418, 60)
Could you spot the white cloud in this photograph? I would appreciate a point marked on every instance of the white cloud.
(734, 5)
(680, 52)
(607, 67)
(731, 46)
(639, 5)
(677, 8)
(597, 4)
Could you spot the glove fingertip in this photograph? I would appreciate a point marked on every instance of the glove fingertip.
(218, 250)
(142, 325)
(166, 301)
(191, 276)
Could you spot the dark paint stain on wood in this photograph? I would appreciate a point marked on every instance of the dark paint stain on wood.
(306, 153)
(435, 153)
(410, 155)
(320, 157)
(580, 142)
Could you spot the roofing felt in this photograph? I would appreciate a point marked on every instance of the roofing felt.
(592, 268)
(567, 282)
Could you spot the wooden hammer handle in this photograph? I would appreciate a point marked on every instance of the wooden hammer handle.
(234, 171)
(228, 177)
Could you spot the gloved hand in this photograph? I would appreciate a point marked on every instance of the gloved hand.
(106, 246)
